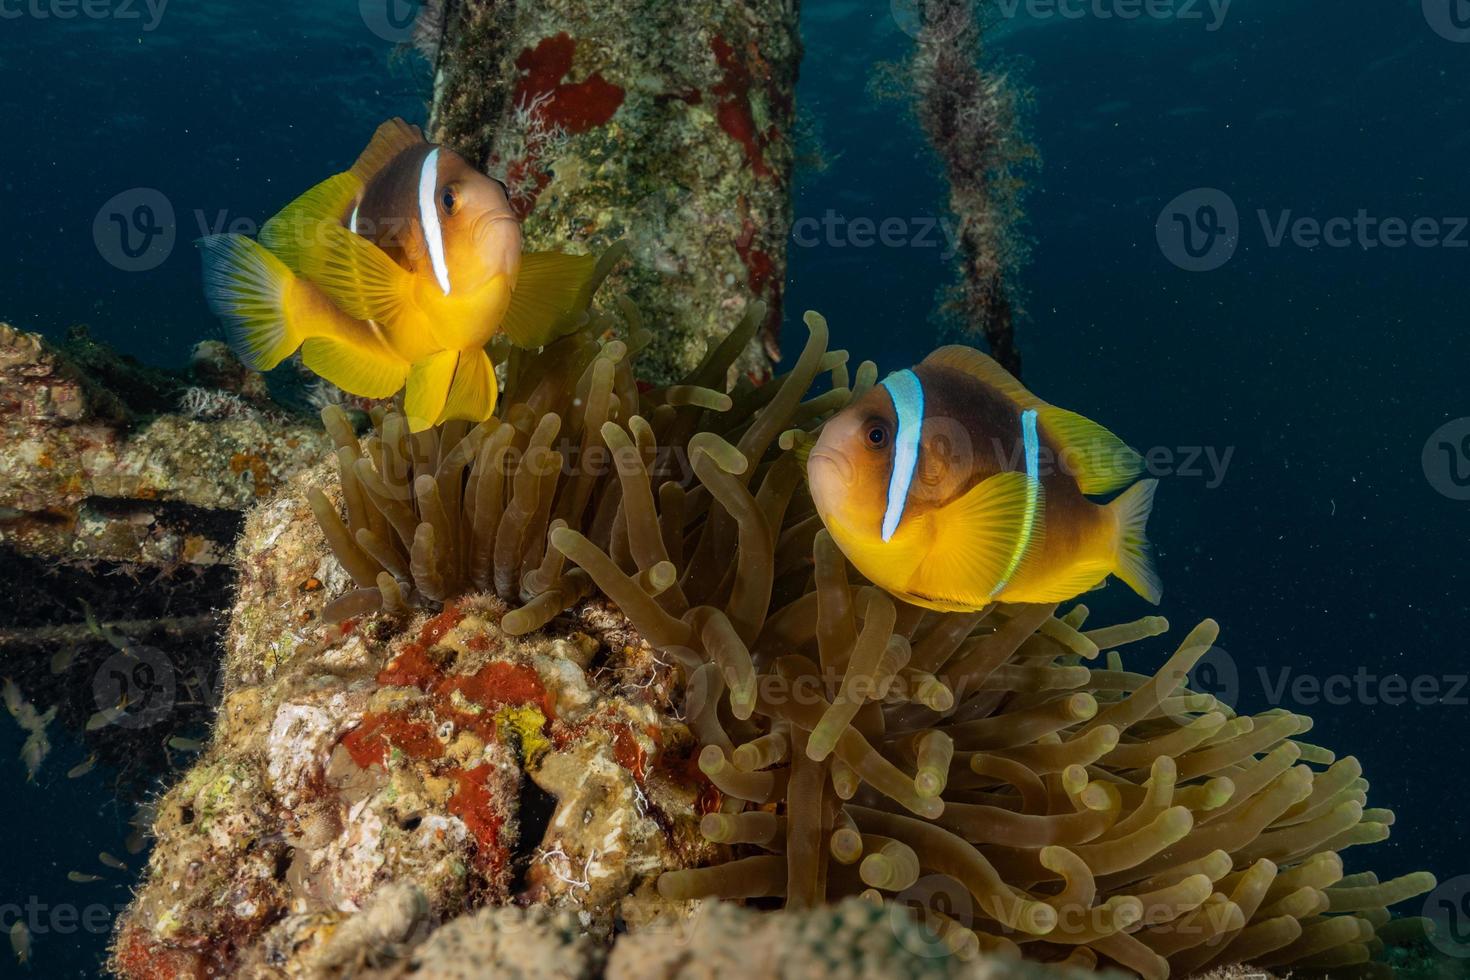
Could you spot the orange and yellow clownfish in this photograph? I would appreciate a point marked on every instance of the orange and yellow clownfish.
(951, 486)
(395, 275)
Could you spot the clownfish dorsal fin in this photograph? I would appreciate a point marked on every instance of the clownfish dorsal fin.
(982, 540)
(1099, 461)
(967, 360)
(391, 139)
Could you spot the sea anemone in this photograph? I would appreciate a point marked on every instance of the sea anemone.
(991, 773)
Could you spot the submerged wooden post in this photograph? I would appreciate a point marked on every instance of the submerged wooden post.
(668, 125)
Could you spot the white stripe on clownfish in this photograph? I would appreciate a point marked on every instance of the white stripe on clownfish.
(429, 217)
(1033, 496)
(907, 392)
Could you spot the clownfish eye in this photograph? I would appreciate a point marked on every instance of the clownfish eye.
(876, 436)
(450, 200)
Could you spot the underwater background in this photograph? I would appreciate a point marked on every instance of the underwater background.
(1304, 405)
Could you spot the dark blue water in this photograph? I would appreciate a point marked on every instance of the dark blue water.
(1286, 396)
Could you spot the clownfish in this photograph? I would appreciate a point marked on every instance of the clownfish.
(395, 275)
(951, 486)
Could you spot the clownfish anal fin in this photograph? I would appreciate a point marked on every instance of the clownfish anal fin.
(1068, 584)
(980, 540)
(1099, 461)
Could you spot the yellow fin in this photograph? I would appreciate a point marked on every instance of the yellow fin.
(1134, 562)
(359, 277)
(428, 389)
(355, 368)
(246, 287)
(968, 360)
(1099, 461)
(474, 389)
(1069, 584)
(552, 292)
(973, 541)
(390, 139)
(289, 232)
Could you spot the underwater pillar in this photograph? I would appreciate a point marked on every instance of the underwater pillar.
(667, 125)
(969, 116)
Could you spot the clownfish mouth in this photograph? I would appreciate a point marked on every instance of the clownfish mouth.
(834, 463)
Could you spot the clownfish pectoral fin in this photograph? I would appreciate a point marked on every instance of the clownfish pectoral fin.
(981, 541)
(1099, 461)
(358, 275)
(390, 139)
(1134, 563)
(551, 295)
(368, 370)
(289, 232)
(427, 392)
(473, 390)
(247, 287)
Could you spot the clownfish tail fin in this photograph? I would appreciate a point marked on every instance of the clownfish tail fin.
(246, 287)
(1134, 561)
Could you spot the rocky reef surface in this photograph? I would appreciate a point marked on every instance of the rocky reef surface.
(431, 797)
(106, 460)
